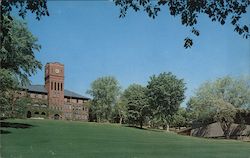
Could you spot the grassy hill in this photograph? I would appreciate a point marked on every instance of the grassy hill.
(62, 139)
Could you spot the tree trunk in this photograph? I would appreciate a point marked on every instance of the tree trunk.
(141, 123)
(226, 129)
(167, 127)
(120, 120)
(227, 133)
(98, 119)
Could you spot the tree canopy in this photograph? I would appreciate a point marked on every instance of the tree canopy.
(38, 7)
(18, 51)
(165, 94)
(221, 11)
(120, 110)
(210, 95)
(137, 104)
(17, 63)
(219, 100)
(104, 92)
(18, 45)
(180, 119)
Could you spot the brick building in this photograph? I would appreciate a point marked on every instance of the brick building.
(52, 100)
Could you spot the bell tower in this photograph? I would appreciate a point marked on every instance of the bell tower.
(54, 83)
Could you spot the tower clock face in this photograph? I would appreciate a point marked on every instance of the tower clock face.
(57, 71)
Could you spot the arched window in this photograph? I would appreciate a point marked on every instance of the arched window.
(56, 117)
(61, 87)
(55, 86)
(58, 86)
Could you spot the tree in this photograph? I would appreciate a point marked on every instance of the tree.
(225, 115)
(16, 40)
(39, 7)
(17, 51)
(165, 94)
(8, 84)
(221, 11)
(17, 63)
(220, 100)
(18, 45)
(137, 104)
(11, 104)
(104, 91)
(120, 110)
(180, 119)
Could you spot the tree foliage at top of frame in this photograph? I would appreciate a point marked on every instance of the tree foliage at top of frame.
(220, 11)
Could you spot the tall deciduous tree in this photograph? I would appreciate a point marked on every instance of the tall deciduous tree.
(165, 94)
(18, 49)
(17, 61)
(137, 104)
(221, 11)
(220, 99)
(104, 91)
(17, 43)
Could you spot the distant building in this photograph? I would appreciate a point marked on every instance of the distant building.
(52, 100)
(214, 130)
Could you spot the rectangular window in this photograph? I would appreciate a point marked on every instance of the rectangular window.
(58, 86)
(55, 86)
(51, 85)
(61, 87)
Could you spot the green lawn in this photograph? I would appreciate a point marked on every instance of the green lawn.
(62, 139)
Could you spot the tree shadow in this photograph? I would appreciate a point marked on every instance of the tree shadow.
(148, 129)
(200, 132)
(130, 126)
(4, 132)
(238, 130)
(13, 125)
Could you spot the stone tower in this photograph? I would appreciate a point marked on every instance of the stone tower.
(54, 83)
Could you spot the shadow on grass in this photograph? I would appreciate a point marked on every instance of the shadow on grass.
(13, 125)
(4, 132)
(148, 129)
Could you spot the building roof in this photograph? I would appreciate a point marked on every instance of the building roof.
(42, 89)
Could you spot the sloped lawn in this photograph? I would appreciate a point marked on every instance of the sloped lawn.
(66, 139)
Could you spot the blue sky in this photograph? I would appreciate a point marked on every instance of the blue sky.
(92, 41)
